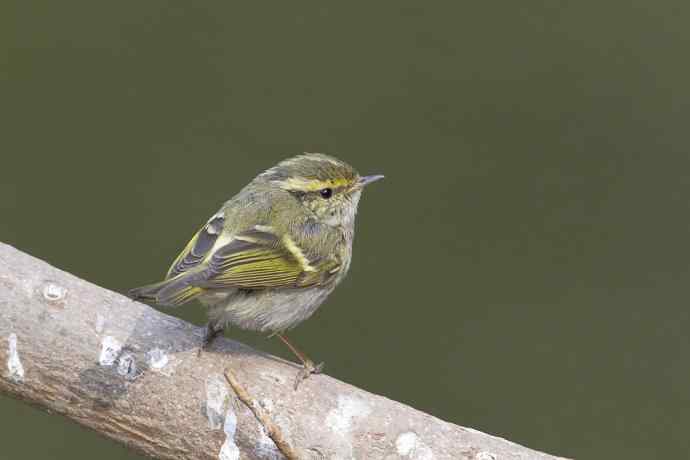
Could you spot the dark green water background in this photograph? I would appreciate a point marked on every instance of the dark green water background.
(522, 270)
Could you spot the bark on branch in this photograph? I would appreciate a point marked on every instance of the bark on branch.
(132, 374)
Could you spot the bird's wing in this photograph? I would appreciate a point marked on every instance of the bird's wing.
(259, 258)
(253, 259)
(198, 247)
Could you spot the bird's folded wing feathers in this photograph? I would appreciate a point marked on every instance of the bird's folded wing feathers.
(254, 259)
(198, 247)
(261, 259)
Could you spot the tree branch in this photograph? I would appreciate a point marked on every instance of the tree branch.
(133, 374)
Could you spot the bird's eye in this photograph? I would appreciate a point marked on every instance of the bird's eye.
(326, 193)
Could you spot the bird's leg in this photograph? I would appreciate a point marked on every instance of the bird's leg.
(212, 331)
(308, 365)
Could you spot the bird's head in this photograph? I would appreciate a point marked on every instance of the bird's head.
(328, 187)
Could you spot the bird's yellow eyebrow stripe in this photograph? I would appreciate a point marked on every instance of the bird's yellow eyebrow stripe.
(301, 184)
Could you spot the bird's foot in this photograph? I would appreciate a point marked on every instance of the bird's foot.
(212, 331)
(308, 369)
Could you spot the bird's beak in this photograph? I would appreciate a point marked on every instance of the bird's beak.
(365, 180)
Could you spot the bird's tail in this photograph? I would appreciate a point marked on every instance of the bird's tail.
(171, 292)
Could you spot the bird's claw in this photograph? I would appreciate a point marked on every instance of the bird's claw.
(212, 331)
(308, 369)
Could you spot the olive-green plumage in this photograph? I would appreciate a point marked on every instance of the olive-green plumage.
(272, 254)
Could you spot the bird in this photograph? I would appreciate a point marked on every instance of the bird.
(272, 254)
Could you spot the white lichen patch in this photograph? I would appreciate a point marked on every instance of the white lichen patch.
(340, 419)
(53, 292)
(110, 350)
(229, 449)
(158, 359)
(100, 323)
(409, 445)
(406, 443)
(14, 364)
(486, 456)
(266, 449)
(127, 366)
(216, 395)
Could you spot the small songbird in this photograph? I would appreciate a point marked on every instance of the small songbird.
(273, 253)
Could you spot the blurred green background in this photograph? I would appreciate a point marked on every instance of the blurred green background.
(522, 270)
